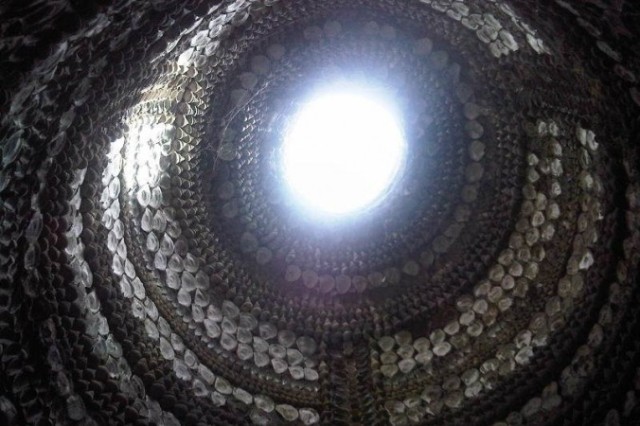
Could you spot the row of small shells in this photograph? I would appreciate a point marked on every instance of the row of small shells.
(584, 363)
(104, 346)
(206, 41)
(455, 389)
(621, 69)
(490, 30)
(236, 332)
(139, 168)
(43, 84)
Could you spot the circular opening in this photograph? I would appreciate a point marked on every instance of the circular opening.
(342, 151)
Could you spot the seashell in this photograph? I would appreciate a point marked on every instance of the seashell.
(288, 412)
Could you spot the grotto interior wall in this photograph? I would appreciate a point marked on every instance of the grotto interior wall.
(152, 271)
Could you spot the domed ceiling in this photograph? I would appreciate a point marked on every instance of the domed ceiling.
(154, 272)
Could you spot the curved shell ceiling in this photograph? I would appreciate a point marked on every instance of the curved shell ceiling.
(153, 270)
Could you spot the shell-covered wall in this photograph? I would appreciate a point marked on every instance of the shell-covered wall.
(152, 271)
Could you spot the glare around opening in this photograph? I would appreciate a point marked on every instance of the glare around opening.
(342, 152)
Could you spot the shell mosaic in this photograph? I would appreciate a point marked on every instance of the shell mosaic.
(154, 272)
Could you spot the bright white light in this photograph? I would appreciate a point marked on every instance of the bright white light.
(342, 152)
(142, 154)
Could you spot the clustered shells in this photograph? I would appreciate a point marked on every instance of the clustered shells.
(153, 272)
